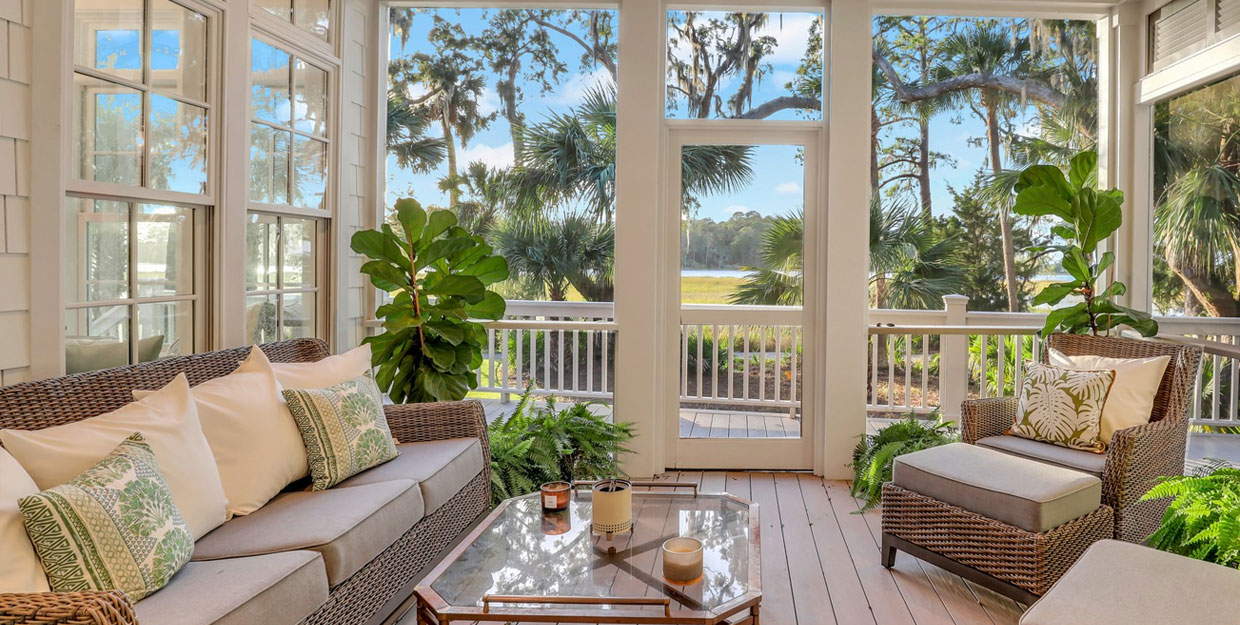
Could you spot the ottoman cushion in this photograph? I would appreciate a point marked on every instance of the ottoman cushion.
(1119, 582)
(1028, 494)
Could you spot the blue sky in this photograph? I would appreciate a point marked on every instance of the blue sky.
(778, 179)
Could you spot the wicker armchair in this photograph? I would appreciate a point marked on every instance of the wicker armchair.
(366, 597)
(1136, 456)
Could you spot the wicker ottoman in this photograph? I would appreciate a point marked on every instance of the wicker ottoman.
(1008, 523)
(1119, 583)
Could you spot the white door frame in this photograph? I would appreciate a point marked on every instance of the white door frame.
(738, 453)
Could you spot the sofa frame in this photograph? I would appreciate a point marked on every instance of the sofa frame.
(375, 594)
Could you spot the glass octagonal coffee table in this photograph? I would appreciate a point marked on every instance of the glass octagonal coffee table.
(521, 564)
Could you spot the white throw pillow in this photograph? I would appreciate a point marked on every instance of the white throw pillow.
(20, 568)
(167, 419)
(1132, 395)
(256, 444)
(327, 372)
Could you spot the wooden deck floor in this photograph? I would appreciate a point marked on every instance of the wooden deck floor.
(820, 561)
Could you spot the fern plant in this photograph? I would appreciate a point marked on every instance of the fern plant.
(537, 444)
(876, 453)
(1203, 519)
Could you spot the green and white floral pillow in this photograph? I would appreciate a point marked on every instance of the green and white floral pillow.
(114, 527)
(343, 428)
(1063, 406)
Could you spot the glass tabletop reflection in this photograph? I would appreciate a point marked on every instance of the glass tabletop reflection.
(526, 551)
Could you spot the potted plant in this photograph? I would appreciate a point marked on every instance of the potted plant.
(1203, 519)
(438, 274)
(876, 453)
(1087, 217)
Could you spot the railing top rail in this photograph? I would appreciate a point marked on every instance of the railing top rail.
(541, 324)
(951, 330)
(1213, 348)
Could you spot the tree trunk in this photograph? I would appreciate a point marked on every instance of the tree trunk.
(874, 127)
(516, 122)
(1005, 217)
(923, 169)
(1213, 297)
(454, 192)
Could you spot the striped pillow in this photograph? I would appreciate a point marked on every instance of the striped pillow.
(114, 527)
(343, 428)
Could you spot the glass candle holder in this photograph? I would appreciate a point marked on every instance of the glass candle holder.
(555, 495)
(556, 522)
(682, 560)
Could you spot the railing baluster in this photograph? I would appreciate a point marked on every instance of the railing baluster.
(1001, 363)
(908, 371)
(547, 361)
(701, 364)
(1018, 365)
(714, 362)
(589, 361)
(684, 360)
(504, 364)
(925, 368)
(794, 382)
(745, 364)
(983, 360)
(762, 364)
(1235, 379)
(520, 365)
(1218, 373)
(1196, 406)
(606, 338)
(559, 363)
(891, 371)
(576, 360)
(533, 334)
(779, 359)
(731, 361)
(491, 356)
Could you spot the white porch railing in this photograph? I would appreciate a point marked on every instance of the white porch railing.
(750, 356)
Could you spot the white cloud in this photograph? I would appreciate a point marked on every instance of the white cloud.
(491, 155)
(736, 208)
(488, 101)
(788, 188)
(792, 35)
(574, 90)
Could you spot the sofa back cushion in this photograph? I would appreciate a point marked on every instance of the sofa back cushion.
(20, 570)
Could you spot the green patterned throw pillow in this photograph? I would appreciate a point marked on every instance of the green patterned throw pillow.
(1062, 406)
(114, 527)
(343, 428)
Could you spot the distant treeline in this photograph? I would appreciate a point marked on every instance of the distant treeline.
(731, 244)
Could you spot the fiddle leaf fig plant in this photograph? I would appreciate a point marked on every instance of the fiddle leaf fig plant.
(1087, 217)
(438, 274)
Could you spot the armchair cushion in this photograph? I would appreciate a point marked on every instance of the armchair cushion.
(1132, 395)
(1086, 461)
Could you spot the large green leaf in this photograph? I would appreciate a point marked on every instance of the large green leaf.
(1060, 316)
(375, 244)
(1042, 200)
(1083, 171)
(385, 275)
(1075, 263)
(1043, 176)
(492, 306)
(468, 287)
(1054, 293)
(411, 217)
(1097, 217)
(489, 270)
(437, 223)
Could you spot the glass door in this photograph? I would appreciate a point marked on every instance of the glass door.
(740, 288)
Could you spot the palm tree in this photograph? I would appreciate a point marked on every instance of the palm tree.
(407, 124)
(778, 281)
(557, 253)
(988, 50)
(910, 267)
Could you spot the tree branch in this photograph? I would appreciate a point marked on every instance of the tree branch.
(1033, 90)
(593, 51)
(775, 105)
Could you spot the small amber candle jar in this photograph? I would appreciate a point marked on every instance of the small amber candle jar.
(555, 495)
(682, 560)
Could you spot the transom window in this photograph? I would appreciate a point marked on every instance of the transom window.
(312, 16)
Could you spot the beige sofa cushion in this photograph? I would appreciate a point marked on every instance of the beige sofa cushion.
(1127, 584)
(274, 589)
(1031, 495)
(1086, 461)
(1131, 400)
(325, 372)
(441, 468)
(348, 526)
(20, 568)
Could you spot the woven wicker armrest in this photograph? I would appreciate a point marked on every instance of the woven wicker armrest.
(67, 608)
(980, 418)
(1138, 456)
(411, 423)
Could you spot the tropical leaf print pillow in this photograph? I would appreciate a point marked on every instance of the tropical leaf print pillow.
(1063, 406)
(114, 527)
(343, 428)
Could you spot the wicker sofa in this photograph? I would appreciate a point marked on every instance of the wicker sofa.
(348, 555)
